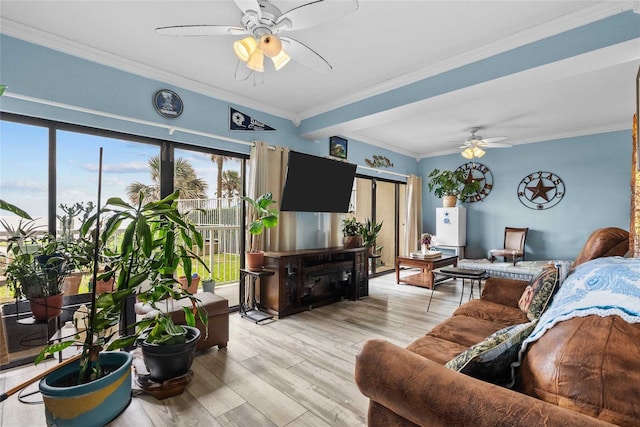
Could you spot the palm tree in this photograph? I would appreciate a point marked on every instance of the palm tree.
(184, 177)
(231, 183)
(219, 160)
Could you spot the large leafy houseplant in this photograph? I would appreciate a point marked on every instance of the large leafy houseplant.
(260, 217)
(445, 183)
(37, 264)
(144, 246)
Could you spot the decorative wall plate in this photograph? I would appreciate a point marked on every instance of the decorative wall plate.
(541, 190)
(167, 103)
(480, 173)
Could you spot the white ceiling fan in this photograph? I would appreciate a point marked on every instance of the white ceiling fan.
(474, 144)
(263, 22)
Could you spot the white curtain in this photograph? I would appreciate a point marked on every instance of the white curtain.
(267, 171)
(413, 229)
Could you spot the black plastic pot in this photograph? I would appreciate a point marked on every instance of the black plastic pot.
(170, 361)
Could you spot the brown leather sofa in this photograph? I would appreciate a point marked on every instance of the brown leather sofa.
(582, 372)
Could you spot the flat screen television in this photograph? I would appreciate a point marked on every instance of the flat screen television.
(317, 184)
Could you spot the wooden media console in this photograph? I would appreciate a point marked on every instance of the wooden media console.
(310, 278)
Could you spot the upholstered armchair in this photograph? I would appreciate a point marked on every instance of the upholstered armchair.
(513, 249)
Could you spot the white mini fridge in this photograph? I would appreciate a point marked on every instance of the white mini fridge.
(451, 226)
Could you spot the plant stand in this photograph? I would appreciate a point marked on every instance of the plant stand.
(144, 384)
(248, 302)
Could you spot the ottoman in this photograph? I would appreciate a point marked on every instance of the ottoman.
(217, 309)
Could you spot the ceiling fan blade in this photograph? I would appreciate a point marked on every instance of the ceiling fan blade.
(200, 30)
(247, 5)
(494, 139)
(306, 56)
(316, 12)
(497, 145)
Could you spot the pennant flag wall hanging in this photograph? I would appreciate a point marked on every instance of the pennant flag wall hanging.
(242, 121)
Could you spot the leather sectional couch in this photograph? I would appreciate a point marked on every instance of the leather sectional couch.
(581, 372)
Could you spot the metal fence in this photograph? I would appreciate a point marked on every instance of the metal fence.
(220, 222)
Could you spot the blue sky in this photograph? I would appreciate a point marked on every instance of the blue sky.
(23, 166)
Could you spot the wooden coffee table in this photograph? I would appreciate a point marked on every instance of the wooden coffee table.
(425, 277)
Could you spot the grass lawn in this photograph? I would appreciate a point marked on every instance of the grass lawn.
(226, 269)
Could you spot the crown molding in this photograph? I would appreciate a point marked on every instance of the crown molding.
(559, 25)
(51, 41)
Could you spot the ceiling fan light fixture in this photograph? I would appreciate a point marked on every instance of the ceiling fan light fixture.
(280, 60)
(467, 153)
(478, 152)
(245, 48)
(271, 45)
(256, 61)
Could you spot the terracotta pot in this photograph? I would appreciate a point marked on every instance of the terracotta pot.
(72, 283)
(105, 286)
(46, 308)
(352, 242)
(449, 201)
(254, 261)
(193, 288)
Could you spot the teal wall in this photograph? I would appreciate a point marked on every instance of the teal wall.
(31, 70)
(595, 169)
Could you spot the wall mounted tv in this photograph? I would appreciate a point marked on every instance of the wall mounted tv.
(317, 184)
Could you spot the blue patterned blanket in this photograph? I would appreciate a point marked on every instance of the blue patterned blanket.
(604, 287)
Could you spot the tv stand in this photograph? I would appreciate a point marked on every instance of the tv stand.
(305, 279)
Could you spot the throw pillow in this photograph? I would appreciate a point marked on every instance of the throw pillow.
(490, 360)
(538, 293)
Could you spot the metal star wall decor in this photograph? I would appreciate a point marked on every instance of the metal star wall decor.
(476, 172)
(541, 190)
(379, 162)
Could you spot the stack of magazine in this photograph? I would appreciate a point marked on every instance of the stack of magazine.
(427, 255)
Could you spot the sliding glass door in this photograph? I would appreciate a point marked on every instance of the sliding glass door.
(383, 201)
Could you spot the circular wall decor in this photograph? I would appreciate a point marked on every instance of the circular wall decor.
(541, 190)
(481, 174)
(167, 103)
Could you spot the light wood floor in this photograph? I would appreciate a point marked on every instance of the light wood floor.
(297, 371)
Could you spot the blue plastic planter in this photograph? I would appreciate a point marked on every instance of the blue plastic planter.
(92, 404)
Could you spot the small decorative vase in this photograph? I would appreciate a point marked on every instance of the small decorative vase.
(425, 249)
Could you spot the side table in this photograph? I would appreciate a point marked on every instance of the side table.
(460, 273)
(248, 304)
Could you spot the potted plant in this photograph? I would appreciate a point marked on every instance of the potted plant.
(191, 287)
(260, 218)
(209, 284)
(451, 185)
(369, 231)
(75, 245)
(352, 233)
(425, 242)
(155, 240)
(37, 265)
